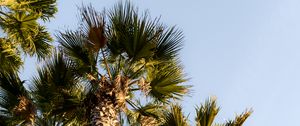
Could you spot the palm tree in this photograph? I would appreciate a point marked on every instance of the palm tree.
(22, 32)
(100, 68)
(96, 74)
(205, 115)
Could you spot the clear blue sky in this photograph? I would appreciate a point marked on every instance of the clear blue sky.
(244, 52)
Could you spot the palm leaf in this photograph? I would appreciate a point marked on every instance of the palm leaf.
(93, 27)
(75, 46)
(47, 8)
(130, 34)
(144, 114)
(169, 44)
(10, 59)
(23, 29)
(206, 113)
(239, 119)
(15, 103)
(165, 80)
(175, 117)
(57, 89)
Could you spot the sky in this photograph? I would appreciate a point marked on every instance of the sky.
(244, 52)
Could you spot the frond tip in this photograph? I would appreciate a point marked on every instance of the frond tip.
(175, 117)
(239, 119)
(206, 113)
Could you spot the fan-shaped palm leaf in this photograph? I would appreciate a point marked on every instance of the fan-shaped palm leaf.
(165, 80)
(131, 34)
(58, 91)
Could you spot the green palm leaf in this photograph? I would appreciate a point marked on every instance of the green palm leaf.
(165, 80)
(75, 46)
(206, 113)
(130, 34)
(169, 44)
(174, 117)
(10, 60)
(239, 119)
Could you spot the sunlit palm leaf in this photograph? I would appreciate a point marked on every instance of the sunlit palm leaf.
(10, 60)
(174, 117)
(239, 119)
(47, 8)
(206, 113)
(165, 80)
(23, 29)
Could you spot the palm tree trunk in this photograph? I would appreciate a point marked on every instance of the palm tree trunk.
(110, 99)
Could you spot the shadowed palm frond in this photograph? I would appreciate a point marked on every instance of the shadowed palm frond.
(15, 103)
(93, 27)
(57, 89)
(75, 46)
(169, 44)
(11, 87)
(131, 34)
(149, 114)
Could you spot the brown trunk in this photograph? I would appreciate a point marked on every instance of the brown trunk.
(110, 100)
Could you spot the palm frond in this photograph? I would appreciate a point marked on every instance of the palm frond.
(130, 34)
(166, 81)
(47, 8)
(74, 45)
(57, 89)
(23, 29)
(93, 27)
(206, 113)
(169, 44)
(10, 59)
(144, 114)
(15, 103)
(174, 117)
(42, 42)
(239, 119)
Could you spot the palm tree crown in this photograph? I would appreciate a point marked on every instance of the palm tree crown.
(97, 72)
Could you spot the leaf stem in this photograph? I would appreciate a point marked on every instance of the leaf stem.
(106, 65)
